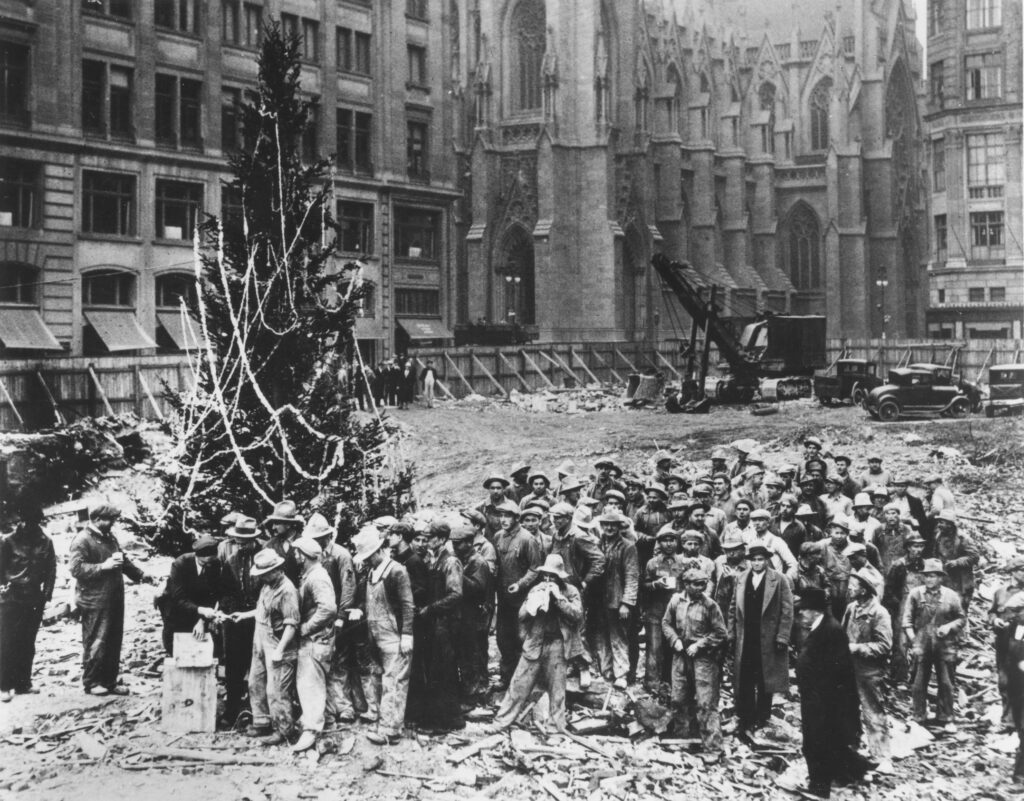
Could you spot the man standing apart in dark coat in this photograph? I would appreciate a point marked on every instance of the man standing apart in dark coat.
(476, 607)
(99, 566)
(236, 554)
(760, 623)
(28, 570)
(829, 705)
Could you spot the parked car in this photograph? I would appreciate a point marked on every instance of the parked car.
(1005, 390)
(852, 380)
(923, 389)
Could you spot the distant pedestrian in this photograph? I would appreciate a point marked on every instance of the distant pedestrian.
(428, 377)
(28, 571)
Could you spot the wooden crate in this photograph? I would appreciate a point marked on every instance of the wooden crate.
(190, 687)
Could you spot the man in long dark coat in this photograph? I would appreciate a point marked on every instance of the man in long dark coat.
(760, 623)
(200, 591)
(829, 704)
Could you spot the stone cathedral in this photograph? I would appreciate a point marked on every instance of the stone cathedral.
(775, 145)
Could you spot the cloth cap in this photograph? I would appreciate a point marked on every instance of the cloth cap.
(462, 530)
(205, 546)
(786, 469)
(571, 483)
(317, 527)
(720, 453)
(285, 512)
(812, 440)
(633, 481)
(533, 510)
(900, 481)
(891, 507)
(809, 548)
(244, 528)
(744, 502)
(104, 511)
(586, 500)
(695, 574)
(758, 550)
(264, 561)
(562, 508)
(760, 514)
(679, 504)
(914, 539)
(474, 516)
(613, 518)
(385, 521)
(807, 478)
(752, 471)
(933, 478)
(865, 578)
(308, 546)
(507, 507)
(855, 547)
(366, 542)
(833, 478)
(691, 534)
(878, 491)
(493, 478)
(554, 565)
(933, 566)
(656, 488)
(439, 528)
(606, 462)
(703, 489)
(772, 480)
(840, 521)
(680, 479)
(663, 456)
(733, 539)
(842, 457)
(614, 493)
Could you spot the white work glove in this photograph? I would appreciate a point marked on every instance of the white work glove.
(405, 644)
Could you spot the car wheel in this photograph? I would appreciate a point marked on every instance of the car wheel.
(888, 411)
(859, 395)
(960, 408)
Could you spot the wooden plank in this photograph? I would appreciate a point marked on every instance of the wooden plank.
(629, 364)
(574, 355)
(984, 364)
(149, 395)
(558, 363)
(458, 372)
(609, 368)
(668, 364)
(440, 384)
(99, 388)
(534, 365)
(10, 402)
(189, 702)
(486, 744)
(487, 373)
(515, 372)
(49, 395)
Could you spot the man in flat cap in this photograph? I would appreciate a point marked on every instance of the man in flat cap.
(694, 630)
(660, 581)
(518, 553)
(615, 615)
(99, 566)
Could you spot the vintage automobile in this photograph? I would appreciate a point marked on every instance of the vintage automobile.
(923, 389)
(1005, 390)
(852, 380)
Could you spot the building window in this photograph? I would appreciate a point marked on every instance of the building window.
(976, 294)
(232, 209)
(173, 288)
(108, 288)
(940, 238)
(242, 23)
(19, 193)
(310, 40)
(417, 302)
(178, 113)
(109, 8)
(177, 15)
(178, 207)
(252, 18)
(937, 82)
(290, 26)
(231, 19)
(310, 145)
(14, 60)
(230, 119)
(353, 51)
(939, 165)
(108, 203)
(804, 249)
(984, 76)
(354, 133)
(417, 65)
(941, 295)
(997, 294)
(985, 172)
(527, 44)
(416, 8)
(107, 100)
(986, 235)
(936, 16)
(821, 100)
(416, 150)
(417, 234)
(356, 223)
(18, 284)
(984, 14)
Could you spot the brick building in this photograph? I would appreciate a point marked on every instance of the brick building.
(115, 118)
(775, 145)
(976, 270)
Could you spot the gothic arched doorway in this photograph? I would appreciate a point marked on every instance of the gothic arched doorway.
(515, 268)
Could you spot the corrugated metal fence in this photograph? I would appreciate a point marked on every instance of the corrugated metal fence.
(32, 393)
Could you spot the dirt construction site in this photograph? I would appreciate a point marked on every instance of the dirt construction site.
(63, 745)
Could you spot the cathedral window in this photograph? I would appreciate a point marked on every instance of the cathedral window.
(527, 55)
(804, 249)
(820, 101)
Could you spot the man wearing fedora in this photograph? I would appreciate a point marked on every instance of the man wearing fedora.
(200, 592)
(829, 704)
(496, 487)
(389, 613)
(869, 630)
(603, 481)
(520, 487)
(540, 489)
(275, 650)
(236, 554)
(99, 566)
(519, 552)
(571, 490)
(729, 566)
(959, 557)
(694, 631)
(550, 617)
(283, 525)
(760, 623)
(903, 576)
(932, 621)
(615, 615)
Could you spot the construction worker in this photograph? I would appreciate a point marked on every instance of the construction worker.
(476, 608)
(519, 552)
(616, 614)
(660, 583)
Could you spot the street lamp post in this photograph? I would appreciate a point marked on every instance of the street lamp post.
(882, 283)
(512, 284)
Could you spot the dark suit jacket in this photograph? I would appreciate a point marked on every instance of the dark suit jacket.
(187, 590)
(829, 704)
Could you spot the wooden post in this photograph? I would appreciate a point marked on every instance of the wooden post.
(534, 365)
(141, 379)
(574, 355)
(99, 389)
(458, 372)
(629, 364)
(58, 417)
(609, 369)
(559, 364)
(984, 364)
(438, 381)
(487, 373)
(10, 402)
(515, 372)
(668, 364)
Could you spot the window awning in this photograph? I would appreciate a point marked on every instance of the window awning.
(24, 329)
(183, 330)
(119, 330)
(425, 329)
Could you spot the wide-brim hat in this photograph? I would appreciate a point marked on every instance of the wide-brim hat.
(812, 440)
(804, 510)
(657, 488)
(554, 565)
(692, 534)
(265, 561)
(680, 479)
(534, 476)
(367, 541)
(491, 479)
(308, 546)
(612, 493)
(566, 468)
(862, 499)
(933, 566)
(679, 505)
(745, 445)
(667, 532)
(760, 514)
(571, 483)
(947, 516)
(933, 478)
(285, 512)
(733, 539)
(662, 456)
(317, 527)
(244, 528)
(758, 550)
(864, 578)
(813, 598)
(522, 469)
(605, 462)
(613, 518)
(914, 539)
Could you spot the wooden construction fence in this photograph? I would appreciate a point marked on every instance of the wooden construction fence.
(32, 393)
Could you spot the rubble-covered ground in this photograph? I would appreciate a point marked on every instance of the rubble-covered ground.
(61, 744)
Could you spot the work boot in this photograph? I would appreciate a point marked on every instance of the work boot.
(274, 738)
(382, 739)
(306, 741)
(6, 696)
(257, 731)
